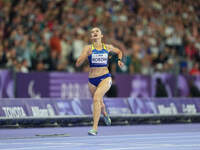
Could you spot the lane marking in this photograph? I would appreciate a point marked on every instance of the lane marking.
(156, 146)
(33, 147)
(109, 136)
(177, 137)
(137, 136)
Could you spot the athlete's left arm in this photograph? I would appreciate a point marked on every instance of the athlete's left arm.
(111, 48)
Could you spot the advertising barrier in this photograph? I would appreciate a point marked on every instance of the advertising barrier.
(74, 85)
(68, 85)
(34, 85)
(55, 85)
(19, 108)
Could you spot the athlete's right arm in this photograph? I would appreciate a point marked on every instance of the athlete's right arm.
(83, 56)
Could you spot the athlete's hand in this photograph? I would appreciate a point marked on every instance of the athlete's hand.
(77, 64)
(120, 63)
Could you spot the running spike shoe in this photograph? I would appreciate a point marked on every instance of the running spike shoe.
(107, 120)
(92, 132)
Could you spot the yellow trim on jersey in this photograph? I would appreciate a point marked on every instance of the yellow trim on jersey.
(104, 46)
(93, 47)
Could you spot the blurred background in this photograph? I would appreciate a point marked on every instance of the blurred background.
(49, 35)
(40, 41)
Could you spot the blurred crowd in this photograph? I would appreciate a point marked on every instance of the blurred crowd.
(49, 35)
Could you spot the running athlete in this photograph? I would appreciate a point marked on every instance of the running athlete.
(99, 77)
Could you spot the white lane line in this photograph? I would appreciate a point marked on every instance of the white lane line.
(150, 146)
(115, 136)
(119, 143)
(133, 146)
(164, 139)
(146, 146)
(135, 136)
(33, 147)
(123, 138)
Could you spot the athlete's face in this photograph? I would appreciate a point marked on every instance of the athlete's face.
(96, 34)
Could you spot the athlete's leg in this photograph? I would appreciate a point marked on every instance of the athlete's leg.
(92, 89)
(102, 88)
(103, 108)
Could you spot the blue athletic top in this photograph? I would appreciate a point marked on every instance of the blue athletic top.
(98, 58)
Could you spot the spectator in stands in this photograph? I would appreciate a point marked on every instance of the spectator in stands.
(55, 42)
(62, 65)
(53, 60)
(77, 46)
(3, 59)
(40, 66)
(160, 89)
(190, 50)
(194, 91)
(40, 54)
(66, 48)
(24, 66)
(11, 58)
(195, 69)
(135, 60)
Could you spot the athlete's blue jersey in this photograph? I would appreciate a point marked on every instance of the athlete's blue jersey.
(98, 58)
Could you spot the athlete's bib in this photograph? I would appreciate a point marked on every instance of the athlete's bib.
(99, 58)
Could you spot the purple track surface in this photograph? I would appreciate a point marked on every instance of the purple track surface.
(136, 137)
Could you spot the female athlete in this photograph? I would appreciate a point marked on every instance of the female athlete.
(99, 77)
